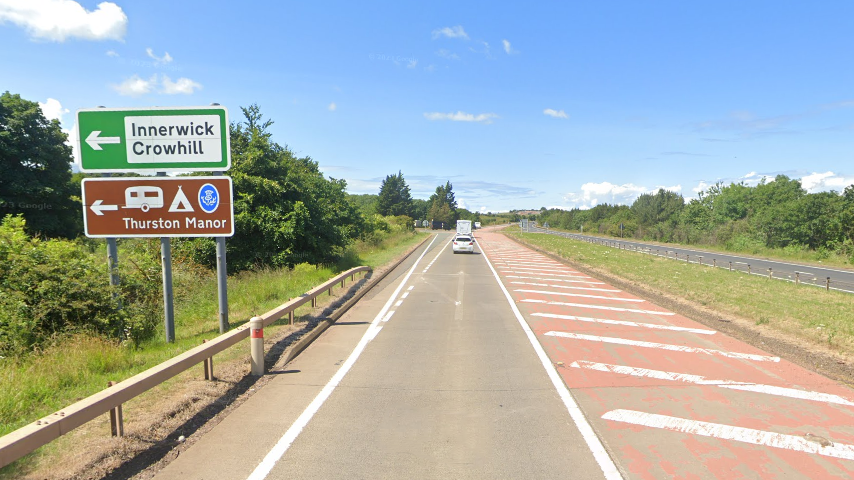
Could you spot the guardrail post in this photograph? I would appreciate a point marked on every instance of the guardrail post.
(714, 262)
(313, 301)
(797, 278)
(291, 317)
(687, 258)
(256, 345)
(701, 260)
(828, 284)
(208, 365)
(730, 266)
(117, 422)
(748, 269)
(770, 273)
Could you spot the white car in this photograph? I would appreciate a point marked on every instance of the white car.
(463, 243)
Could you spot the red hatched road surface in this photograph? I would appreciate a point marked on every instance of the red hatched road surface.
(672, 398)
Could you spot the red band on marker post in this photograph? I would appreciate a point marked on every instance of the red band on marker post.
(257, 333)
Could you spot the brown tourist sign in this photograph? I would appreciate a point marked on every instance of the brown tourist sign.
(158, 207)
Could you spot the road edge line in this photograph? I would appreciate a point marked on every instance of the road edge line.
(600, 454)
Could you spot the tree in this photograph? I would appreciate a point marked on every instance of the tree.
(443, 204)
(285, 211)
(35, 170)
(394, 198)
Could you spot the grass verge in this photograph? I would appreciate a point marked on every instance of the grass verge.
(805, 313)
(77, 366)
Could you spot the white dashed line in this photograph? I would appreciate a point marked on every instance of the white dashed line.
(597, 307)
(699, 380)
(626, 323)
(664, 346)
(398, 303)
(730, 432)
(526, 272)
(405, 294)
(281, 447)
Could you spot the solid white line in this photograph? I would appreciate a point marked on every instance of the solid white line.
(567, 294)
(730, 432)
(626, 323)
(599, 453)
(536, 264)
(699, 380)
(593, 289)
(597, 307)
(537, 269)
(516, 270)
(664, 346)
(273, 456)
(557, 280)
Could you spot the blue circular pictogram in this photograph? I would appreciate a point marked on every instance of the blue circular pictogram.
(208, 198)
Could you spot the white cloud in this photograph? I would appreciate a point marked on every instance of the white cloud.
(461, 117)
(166, 58)
(412, 64)
(593, 194)
(507, 48)
(52, 109)
(820, 182)
(446, 54)
(59, 20)
(450, 32)
(332, 107)
(183, 86)
(112, 53)
(555, 113)
(135, 86)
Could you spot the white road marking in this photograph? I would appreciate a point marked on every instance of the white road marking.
(593, 289)
(405, 294)
(567, 294)
(558, 280)
(411, 287)
(548, 271)
(537, 264)
(599, 453)
(398, 303)
(699, 380)
(730, 432)
(597, 307)
(626, 323)
(275, 454)
(437, 256)
(516, 270)
(664, 346)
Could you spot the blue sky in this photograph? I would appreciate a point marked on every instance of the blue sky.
(518, 105)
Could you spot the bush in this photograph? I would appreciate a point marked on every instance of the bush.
(55, 287)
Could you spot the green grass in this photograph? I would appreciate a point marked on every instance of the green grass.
(797, 254)
(806, 312)
(78, 366)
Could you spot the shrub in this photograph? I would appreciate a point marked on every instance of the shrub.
(55, 287)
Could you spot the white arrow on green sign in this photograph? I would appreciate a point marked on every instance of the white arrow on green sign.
(158, 139)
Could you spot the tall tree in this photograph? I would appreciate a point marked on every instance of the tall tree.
(35, 169)
(443, 204)
(394, 198)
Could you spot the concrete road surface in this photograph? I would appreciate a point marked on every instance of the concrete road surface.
(457, 366)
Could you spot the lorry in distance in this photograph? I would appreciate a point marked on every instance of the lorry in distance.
(463, 227)
(476, 225)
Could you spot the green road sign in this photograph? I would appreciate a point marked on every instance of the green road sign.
(153, 139)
